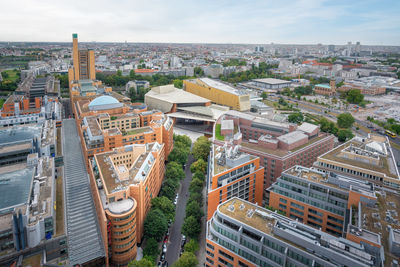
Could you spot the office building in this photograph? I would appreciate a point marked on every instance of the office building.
(279, 145)
(105, 123)
(219, 93)
(243, 234)
(341, 206)
(365, 89)
(271, 83)
(137, 85)
(83, 62)
(28, 193)
(127, 178)
(368, 159)
(232, 173)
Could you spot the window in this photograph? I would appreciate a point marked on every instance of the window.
(229, 257)
(283, 200)
(300, 207)
(210, 246)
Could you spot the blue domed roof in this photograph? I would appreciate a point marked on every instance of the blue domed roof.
(104, 102)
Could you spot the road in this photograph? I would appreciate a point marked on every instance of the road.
(174, 242)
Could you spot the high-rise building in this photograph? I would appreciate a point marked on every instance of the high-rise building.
(232, 173)
(83, 62)
(243, 234)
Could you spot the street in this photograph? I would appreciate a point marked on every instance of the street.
(174, 242)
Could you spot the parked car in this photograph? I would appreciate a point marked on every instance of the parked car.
(162, 258)
(160, 264)
(165, 264)
(166, 239)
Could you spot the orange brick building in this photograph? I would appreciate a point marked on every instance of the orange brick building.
(105, 123)
(127, 178)
(233, 173)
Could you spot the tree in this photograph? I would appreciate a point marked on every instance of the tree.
(191, 227)
(196, 185)
(194, 209)
(151, 249)
(345, 120)
(304, 90)
(180, 153)
(169, 188)
(198, 71)
(165, 205)
(282, 101)
(174, 171)
(178, 83)
(198, 166)
(144, 262)
(264, 95)
(183, 139)
(155, 224)
(187, 259)
(192, 246)
(199, 175)
(201, 148)
(196, 196)
(345, 134)
(296, 117)
(354, 96)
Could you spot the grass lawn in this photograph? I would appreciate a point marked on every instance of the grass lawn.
(12, 75)
(218, 133)
(59, 206)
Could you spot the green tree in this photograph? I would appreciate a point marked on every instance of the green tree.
(155, 224)
(183, 139)
(151, 249)
(304, 90)
(344, 134)
(201, 148)
(194, 209)
(296, 117)
(165, 205)
(191, 227)
(354, 96)
(187, 259)
(178, 83)
(196, 185)
(174, 171)
(264, 95)
(196, 196)
(192, 246)
(179, 154)
(345, 120)
(198, 71)
(144, 262)
(168, 188)
(198, 166)
(199, 175)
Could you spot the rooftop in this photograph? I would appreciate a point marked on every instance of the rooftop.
(15, 186)
(323, 85)
(292, 137)
(221, 86)
(307, 127)
(171, 94)
(272, 81)
(382, 166)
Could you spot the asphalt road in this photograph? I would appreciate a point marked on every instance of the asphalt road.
(174, 242)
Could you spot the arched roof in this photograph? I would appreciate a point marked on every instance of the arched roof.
(104, 102)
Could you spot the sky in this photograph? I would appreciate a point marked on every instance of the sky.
(371, 22)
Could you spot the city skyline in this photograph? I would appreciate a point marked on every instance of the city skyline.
(262, 22)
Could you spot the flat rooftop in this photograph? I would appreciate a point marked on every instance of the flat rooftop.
(272, 81)
(169, 93)
(15, 185)
(323, 85)
(385, 163)
(222, 86)
(242, 158)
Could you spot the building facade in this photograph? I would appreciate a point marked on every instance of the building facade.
(219, 93)
(243, 234)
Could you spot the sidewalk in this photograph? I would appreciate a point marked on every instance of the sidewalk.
(201, 254)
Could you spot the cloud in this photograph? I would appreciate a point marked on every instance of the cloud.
(207, 21)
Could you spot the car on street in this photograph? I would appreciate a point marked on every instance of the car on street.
(162, 258)
(164, 248)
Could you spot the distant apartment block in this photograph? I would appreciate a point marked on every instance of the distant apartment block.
(367, 159)
(243, 234)
(364, 89)
(219, 93)
(279, 145)
(126, 180)
(232, 173)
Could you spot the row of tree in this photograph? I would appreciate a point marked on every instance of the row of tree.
(262, 71)
(343, 128)
(194, 209)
